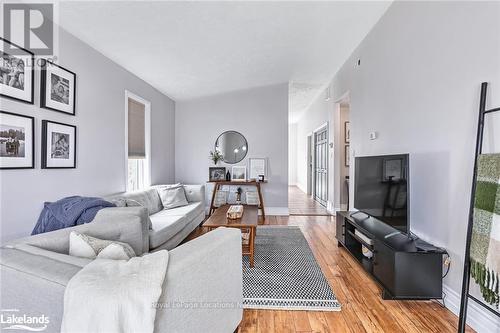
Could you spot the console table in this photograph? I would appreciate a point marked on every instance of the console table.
(219, 183)
(405, 268)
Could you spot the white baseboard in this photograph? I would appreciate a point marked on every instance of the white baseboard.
(278, 211)
(478, 318)
(303, 187)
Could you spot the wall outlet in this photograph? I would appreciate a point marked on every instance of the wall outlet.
(373, 135)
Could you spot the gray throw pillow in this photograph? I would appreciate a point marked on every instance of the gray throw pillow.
(172, 196)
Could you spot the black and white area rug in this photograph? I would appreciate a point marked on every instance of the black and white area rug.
(285, 275)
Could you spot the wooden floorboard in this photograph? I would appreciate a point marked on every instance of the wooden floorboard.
(300, 203)
(363, 309)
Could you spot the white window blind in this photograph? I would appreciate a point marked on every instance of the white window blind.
(136, 130)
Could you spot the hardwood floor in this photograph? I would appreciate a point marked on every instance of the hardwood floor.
(363, 310)
(299, 203)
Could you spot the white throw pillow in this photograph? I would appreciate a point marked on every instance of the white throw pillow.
(81, 245)
(172, 196)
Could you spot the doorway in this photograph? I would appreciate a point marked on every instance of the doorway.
(344, 163)
(301, 199)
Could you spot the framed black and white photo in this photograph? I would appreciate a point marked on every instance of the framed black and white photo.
(239, 173)
(17, 141)
(257, 167)
(347, 156)
(216, 173)
(58, 145)
(16, 72)
(58, 88)
(347, 132)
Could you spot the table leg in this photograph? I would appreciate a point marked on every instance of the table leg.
(216, 187)
(252, 246)
(261, 200)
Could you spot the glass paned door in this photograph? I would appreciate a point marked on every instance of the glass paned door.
(321, 166)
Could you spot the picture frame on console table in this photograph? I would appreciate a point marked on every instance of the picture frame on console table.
(257, 167)
(238, 173)
(216, 173)
(58, 145)
(57, 88)
(17, 141)
(17, 72)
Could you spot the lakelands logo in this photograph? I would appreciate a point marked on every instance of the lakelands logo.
(11, 319)
(29, 25)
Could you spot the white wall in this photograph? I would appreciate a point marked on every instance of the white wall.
(418, 87)
(100, 121)
(292, 154)
(260, 114)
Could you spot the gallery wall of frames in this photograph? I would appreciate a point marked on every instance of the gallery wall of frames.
(57, 85)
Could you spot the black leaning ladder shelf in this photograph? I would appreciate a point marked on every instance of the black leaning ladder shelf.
(466, 278)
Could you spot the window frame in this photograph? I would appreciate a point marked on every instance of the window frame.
(147, 142)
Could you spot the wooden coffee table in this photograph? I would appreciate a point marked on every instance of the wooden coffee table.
(247, 223)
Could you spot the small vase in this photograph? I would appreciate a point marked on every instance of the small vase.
(228, 176)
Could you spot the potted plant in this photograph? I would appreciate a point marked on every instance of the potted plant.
(216, 156)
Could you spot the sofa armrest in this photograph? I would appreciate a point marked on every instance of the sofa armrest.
(34, 285)
(113, 214)
(195, 193)
(120, 224)
(203, 289)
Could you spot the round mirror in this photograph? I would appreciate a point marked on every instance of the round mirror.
(233, 146)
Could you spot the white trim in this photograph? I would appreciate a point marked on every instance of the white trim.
(344, 98)
(478, 318)
(147, 131)
(321, 127)
(302, 187)
(276, 211)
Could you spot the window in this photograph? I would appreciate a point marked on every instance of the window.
(138, 127)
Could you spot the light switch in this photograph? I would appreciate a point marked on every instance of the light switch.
(373, 135)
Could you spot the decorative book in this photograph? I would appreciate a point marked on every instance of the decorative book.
(235, 212)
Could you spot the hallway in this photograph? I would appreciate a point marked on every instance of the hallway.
(299, 203)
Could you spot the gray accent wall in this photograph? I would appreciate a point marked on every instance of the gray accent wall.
(100, 121)
(260, 114)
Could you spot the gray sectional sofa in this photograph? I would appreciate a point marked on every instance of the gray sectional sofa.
(168, 227)
(202, 291)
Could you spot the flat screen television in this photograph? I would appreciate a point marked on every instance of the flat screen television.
(382, 189)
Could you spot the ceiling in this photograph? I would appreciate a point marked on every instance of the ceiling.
(194, 49)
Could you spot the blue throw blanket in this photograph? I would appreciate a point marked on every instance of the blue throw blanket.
(68, 212)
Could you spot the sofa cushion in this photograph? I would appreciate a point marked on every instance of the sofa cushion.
(165, 227)
(148, 198)
(190, 211)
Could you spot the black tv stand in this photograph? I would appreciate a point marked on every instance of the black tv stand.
(405, 268)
